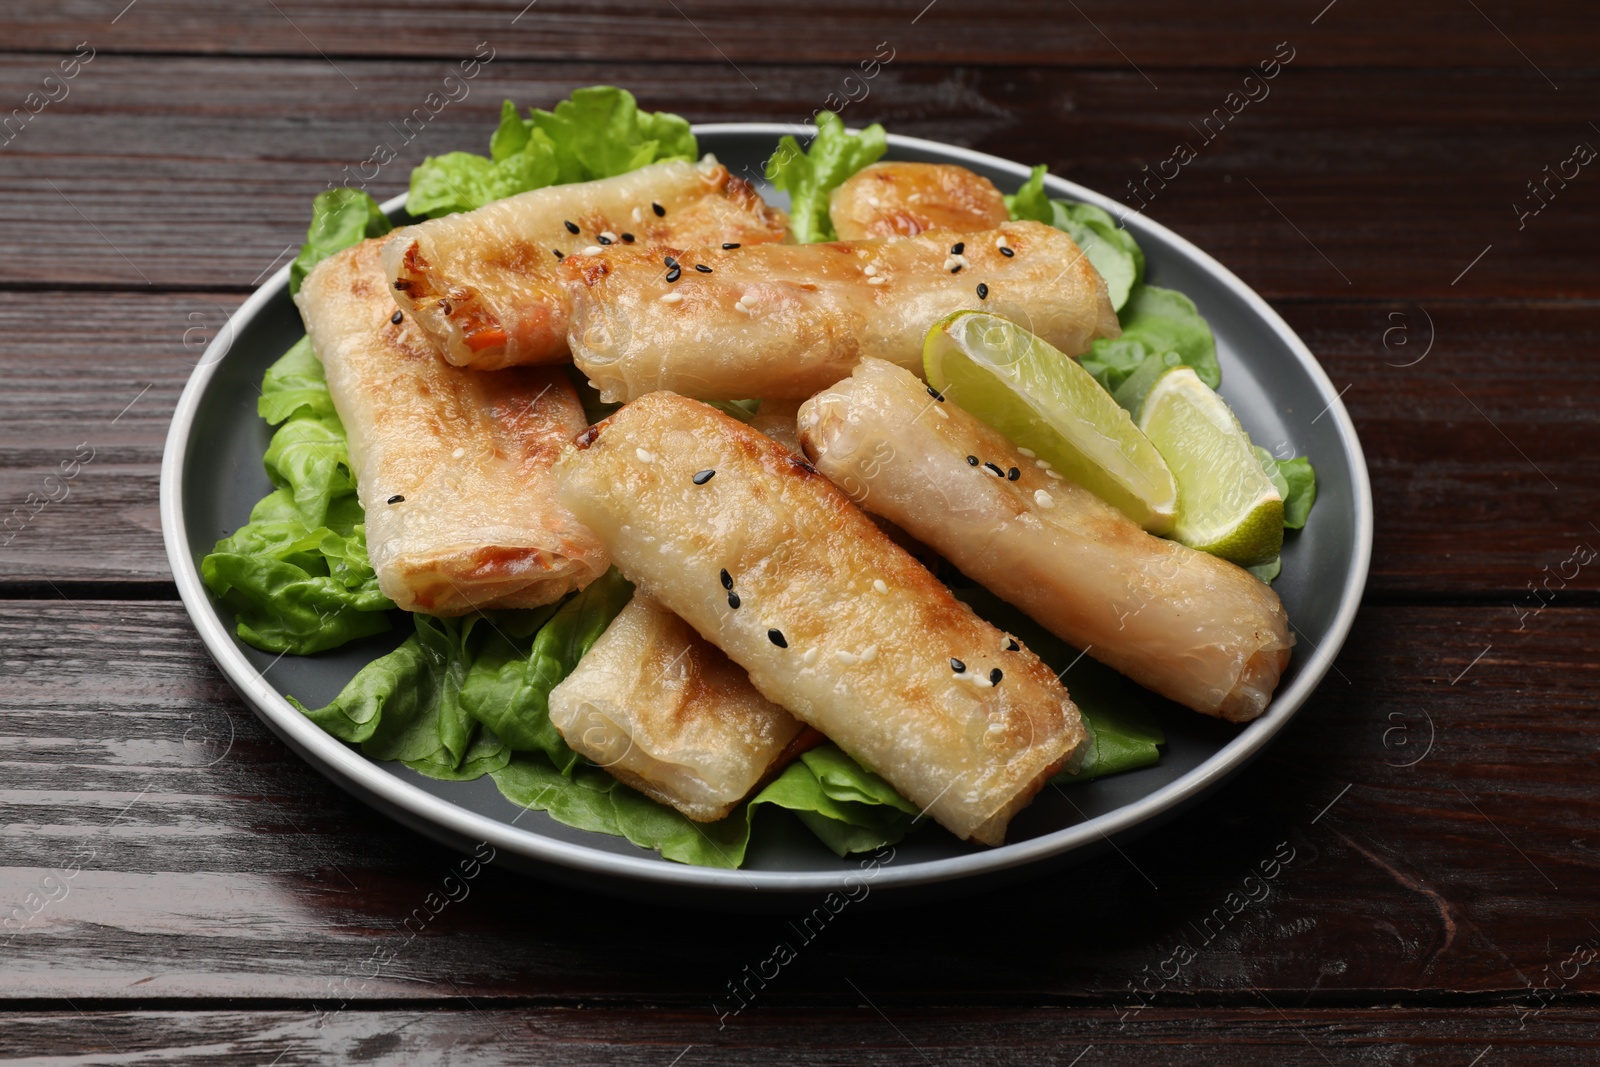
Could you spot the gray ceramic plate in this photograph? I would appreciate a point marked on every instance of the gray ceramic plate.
(212, 474)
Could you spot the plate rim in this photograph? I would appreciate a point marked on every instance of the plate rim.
(370, 780)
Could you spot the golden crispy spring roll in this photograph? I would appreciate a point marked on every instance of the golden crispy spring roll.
(767, 560)
(905, 199)
(1192, 627)
(452, 466)
(664, 711)
(483, 284)
(783, 321)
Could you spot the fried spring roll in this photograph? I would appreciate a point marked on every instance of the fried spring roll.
(768, 561)
(1190, 626)
(783, 321)
(664, 711)
(905, 199)
(452, 466)
(483, 284)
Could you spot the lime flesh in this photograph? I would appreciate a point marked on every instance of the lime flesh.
(1228, 505)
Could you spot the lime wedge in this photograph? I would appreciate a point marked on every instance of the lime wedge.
(1044, 401)
(1228, 504)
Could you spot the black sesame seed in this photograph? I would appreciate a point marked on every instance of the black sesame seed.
(1012, 646)
(674, 274)
(1008, 252)
(702, 268)
(972, 461)
(958, 248)
(936, 394)
(603, 239)
(627, 238)
(669, 261)
(398, 317)
(571, 227)
(557, 251)
(1013, 474)
(957, 666)
(397, 499)
(729, 244)
(727, 579)
(983, 291)
(995, 468)
(733, 600)
(995, 676)
(956, 269)
(704, 476)
(777, 638)
(658, 209)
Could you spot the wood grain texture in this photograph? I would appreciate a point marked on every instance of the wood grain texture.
(1341, 183)
(1164, 33)
(1462, 509)
(863, 1028)
(177, 850)
(192, 892)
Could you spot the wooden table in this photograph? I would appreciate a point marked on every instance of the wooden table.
(191, 892)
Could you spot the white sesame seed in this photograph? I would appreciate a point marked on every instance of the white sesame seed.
(608, 235)
(1054, 475)
(458, 453)
(644, 457)
(638, 216)
(1043, 499)
(878, 584)
(1000, 242)
(879, 280)
(972, 678)
(593, 250)
(846, 658)
(671, 298)
(1030, 453)
(742, 309)
(748, 300)
(870, 271)
(809, 658)
(941, 412)
(869, 653)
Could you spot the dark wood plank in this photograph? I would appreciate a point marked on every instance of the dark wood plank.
(1341, 183)
(75, 362)
(1432, 807)
(864, 1029)
(1153, 35)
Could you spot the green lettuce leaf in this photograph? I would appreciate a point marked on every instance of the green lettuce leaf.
(809, 176)
(1155, 322)
(848, 808)
(1296, 482)
(295, 381)
(598, 133)
(590, 799)
(1112, 249)
(297, 576)
(339, 218)
(825, 801)
(514, 667)
(1302, 484)
(407, 706)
